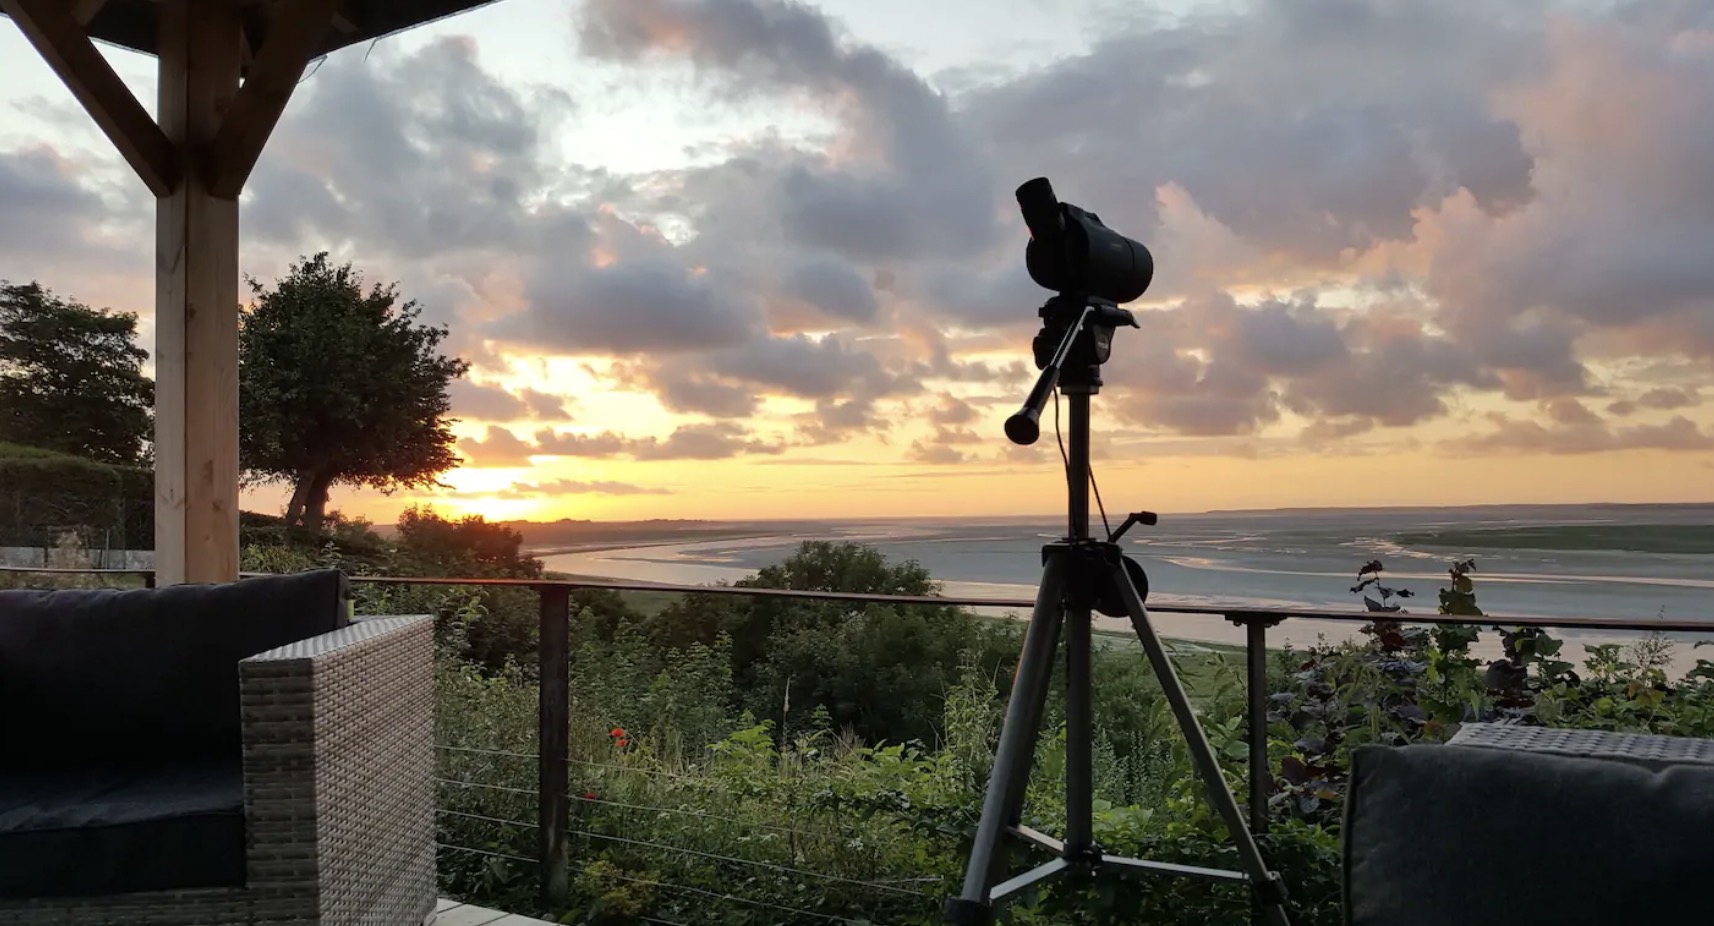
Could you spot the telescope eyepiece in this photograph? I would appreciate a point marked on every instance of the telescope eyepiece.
(1040, 207)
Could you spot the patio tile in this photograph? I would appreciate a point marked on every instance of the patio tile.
(466, 915)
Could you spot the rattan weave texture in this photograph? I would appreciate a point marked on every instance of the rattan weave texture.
(338, 793)
(1650, 750)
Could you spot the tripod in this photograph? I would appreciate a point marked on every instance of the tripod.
(1080, 575)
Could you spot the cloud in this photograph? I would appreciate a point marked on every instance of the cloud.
(951, 410)
(497, 448)
(1367, 216)
(1660, 398)
(45, 205)
(935, 454)
(412, 157)
(578, 487)
(1584, 436)
(701, 441)
(832, 287)
(834, 371)
(1669, 398)
(482, 402)
(1617, 250)
(1306, 161)
(62, 226)
(1210, 367)
(706, 441)
(646, 304)
(923, 187)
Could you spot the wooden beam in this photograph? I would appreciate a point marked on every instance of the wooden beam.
(343, 22)
(84, 10)
(292, 38)
(52, 27)
(196, 308)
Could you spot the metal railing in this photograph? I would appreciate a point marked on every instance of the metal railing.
(554, 669)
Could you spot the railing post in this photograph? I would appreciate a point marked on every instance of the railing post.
(553, 739)
(1256, 689)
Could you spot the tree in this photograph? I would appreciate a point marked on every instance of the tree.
(879, 669)
(470, 546)
(341, 386)
(71, 377)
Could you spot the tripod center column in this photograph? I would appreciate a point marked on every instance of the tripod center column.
(1077, 467)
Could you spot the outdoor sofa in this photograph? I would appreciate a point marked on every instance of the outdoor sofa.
(1509, 825)
(214, 754)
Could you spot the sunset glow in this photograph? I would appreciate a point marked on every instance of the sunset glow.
(1448, 255)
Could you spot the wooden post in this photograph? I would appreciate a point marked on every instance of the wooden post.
(196, 305)
(196, 161)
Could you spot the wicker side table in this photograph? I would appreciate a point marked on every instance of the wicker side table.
(1644, 749)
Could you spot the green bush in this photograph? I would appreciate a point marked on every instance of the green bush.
(44, 494)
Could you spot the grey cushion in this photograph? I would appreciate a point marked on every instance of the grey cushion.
(114, 829)
(1483, 837)
(108, 675)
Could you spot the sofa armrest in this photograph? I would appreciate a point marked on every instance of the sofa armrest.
(1648, 750)
(338, 773)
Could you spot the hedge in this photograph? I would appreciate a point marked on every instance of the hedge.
(43, 494)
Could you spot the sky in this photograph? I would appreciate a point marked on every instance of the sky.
(755, 259)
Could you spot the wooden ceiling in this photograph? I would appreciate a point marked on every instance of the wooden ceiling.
(131, 23)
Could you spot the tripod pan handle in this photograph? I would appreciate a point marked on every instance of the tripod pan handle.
(1025, 425)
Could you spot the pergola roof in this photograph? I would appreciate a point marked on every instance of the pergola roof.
(132, 23)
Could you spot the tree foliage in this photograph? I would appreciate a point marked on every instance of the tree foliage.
(71, 377)
(339, 385)
(470, 546)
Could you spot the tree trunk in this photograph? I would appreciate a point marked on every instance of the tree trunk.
(300, 495)
(315, 502)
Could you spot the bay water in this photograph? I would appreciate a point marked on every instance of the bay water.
(1635, 562)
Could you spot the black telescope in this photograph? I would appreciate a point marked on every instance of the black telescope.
(1092, 269)
(1071, 252)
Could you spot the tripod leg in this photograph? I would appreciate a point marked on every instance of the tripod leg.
(1079, 734)
(1038, 686)
(1006, 783)
(1266, 884)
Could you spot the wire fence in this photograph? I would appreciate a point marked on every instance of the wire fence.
(54, 530)
(494, 816)
(779, 869)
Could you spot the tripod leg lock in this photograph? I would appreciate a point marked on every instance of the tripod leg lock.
(1272, 892)
(1084, 858)
(961, 912)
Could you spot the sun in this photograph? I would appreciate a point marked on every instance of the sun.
(495, 508)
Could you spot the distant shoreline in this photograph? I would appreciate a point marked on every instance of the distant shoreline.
(1690, 539)
(1678, 538)
(640, 541)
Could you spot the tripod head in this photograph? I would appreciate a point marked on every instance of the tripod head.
(1076, 338)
